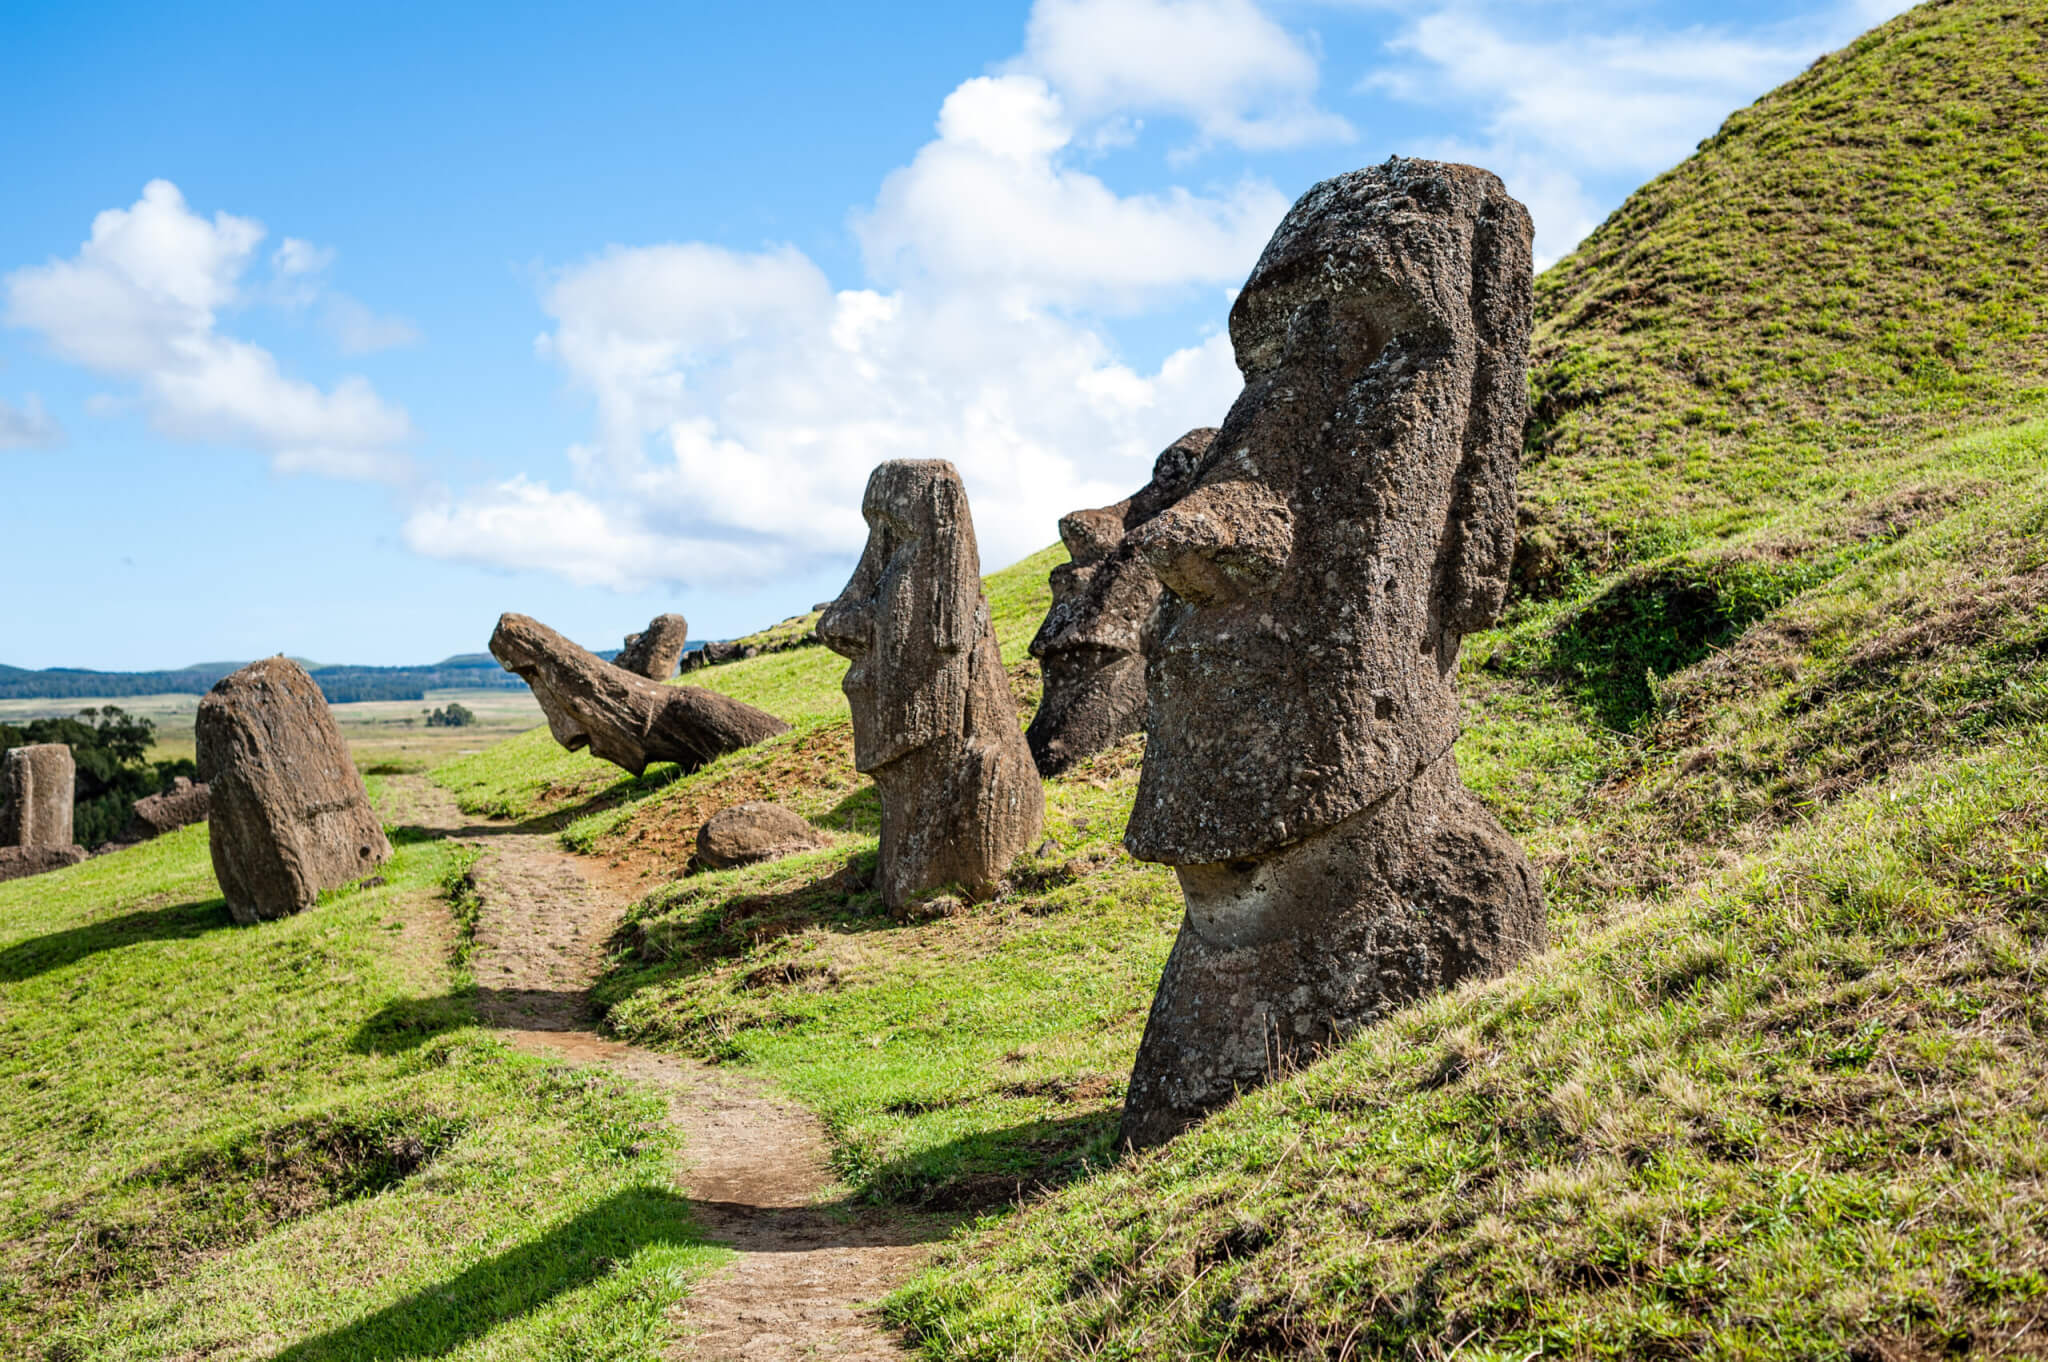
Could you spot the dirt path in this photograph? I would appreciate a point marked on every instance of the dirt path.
(757, 1163)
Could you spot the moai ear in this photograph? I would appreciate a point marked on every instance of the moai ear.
(1479, 536)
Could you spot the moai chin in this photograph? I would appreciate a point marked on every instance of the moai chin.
(933, 719)
(37, 786)
(1103, 620)
(1352, 521)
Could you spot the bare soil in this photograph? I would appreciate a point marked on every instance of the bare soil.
(808, 1266)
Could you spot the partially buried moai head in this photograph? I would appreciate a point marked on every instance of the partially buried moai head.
(1103, 619)
(909, 616)
(1352, 520)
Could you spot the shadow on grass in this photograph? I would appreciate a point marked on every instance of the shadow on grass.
(984, 1170)
(41, 954)
(411, 1022)
(440, 1319)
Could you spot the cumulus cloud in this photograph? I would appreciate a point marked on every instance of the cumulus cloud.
(1557, 107)
(1223, 65)
(28, 426)
(989, 205)
(742, 400)
(141, 300)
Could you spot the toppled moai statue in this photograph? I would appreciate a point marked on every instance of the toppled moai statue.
(38, 783)
(933, 719)
(1105, 603)
(621, 717)
(288, 813)
(154, 815)
(655, 650)
(20, 862)
(1353, 520)
(752, 832)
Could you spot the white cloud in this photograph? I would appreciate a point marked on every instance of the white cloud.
(1222, 65)
(989, 205)
(141, 301)
(28, 426)
(742, 401)
(359, 331)
(1556, 107)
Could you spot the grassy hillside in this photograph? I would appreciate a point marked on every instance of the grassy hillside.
(292, 1139)
(1850, 265)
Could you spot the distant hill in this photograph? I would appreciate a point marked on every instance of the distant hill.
(340, 684)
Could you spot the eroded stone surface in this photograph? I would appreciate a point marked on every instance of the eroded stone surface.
(621, 717)
(183, 804)
(20, 862)
(288, 813)
(933, 719)
(655, 650)
(754, 831)
(38, 784)
(1353, 519)
(1105, 603)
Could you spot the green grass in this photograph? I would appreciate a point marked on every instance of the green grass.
(292, 1140)
(1796, 1113)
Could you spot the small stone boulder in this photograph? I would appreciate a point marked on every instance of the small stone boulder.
(654, 651)
(622, 717)
(37, 785)
(180, 806)
(20, 862)
(289, 814)
(754, 831)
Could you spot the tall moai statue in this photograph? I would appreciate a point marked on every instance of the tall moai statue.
(38, 783)
(1104, 619)
(655, 650)
(1353, 520)
(288, 814)
(933, 719)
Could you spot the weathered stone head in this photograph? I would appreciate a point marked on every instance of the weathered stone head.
(911, 614)
(1352, 521)
(933, 719)
(655, 650)
(621, 716)
(1105, 602)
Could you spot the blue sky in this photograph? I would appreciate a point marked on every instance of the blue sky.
(336, 331)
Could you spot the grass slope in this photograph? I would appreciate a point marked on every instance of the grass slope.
(1850, 265)
(291, 1141)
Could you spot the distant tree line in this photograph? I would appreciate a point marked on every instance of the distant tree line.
(111, 750)
(341, 685)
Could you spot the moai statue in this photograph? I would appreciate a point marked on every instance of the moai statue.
(621, 716)
(933, 719)
(37, 786)
(654, 652)
(1352, 522)
(287, 812)
(1104, 619)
